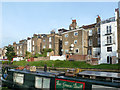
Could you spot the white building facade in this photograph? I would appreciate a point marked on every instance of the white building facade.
(109, 44)
(29, 45)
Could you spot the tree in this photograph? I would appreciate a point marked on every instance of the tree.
(10, 53)
(28, 55)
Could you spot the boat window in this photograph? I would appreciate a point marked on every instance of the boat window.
(42, 82)
(18, 78)
(38, 82)
(46, 83)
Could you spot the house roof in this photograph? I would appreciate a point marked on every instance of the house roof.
(89, 26)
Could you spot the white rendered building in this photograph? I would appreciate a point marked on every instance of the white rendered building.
(109, 44)
(29, 40)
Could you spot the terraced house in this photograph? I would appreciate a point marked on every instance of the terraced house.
(20, 48)
(74, 42)
(94, 41)
(36, 44)
(52, 41)
(109, 40)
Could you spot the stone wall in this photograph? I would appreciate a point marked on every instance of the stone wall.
(41, 58)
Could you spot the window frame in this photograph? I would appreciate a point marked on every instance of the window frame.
(75, 33)
(66, 35)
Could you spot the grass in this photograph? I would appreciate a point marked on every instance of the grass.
(67, 64)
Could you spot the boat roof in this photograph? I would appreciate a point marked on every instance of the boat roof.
(101, 74)
(42, 73)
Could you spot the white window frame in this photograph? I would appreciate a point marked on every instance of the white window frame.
(109, 39)
(98, 30)
(42, 83)
(90, 32)
(75, 33)
(75, 41)
(44, 46)
(43, 40)
(50, 46)
(66, 35)
(17, 47)
(90, 42)
(33, 48)
(50, 39)
(18, 78)
(76, 49)
(33, 42)
(66, 50)
(66, 43)
(99, 42)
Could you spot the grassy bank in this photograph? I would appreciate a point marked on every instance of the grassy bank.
(67, 64)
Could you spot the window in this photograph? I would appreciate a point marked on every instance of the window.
(66, 35)
(33, 48)
(43, 40)
(90, 42)
(109, 60)
(18, 78)
(89, 52)
(90, 32)
(46, 83)
(29, 44)
(75, 41)
(75, 33)
(99, 41)
(17, 47)
(42, 82)
(76, 50)
(44, 47)
(98, 31)
(49, 39)
(20, 52)
(109, 49)
(66, 51)
(109, 39)
(50, 46)
(33, 42)
(66, 43)
(109, 29)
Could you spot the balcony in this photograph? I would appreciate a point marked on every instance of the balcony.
(107, 44)
(108, 33)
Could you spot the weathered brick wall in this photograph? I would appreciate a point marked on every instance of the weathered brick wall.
(76, 57)
(41, 58)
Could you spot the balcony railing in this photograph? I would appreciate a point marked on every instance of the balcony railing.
(108, 33)
(108, 44)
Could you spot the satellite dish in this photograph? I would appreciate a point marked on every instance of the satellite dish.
(71, 48)
(72, 45)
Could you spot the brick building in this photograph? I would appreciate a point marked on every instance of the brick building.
(52, 41)
(94, 41)
(36, 44)
(20, 48)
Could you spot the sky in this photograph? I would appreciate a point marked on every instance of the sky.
(23, 19)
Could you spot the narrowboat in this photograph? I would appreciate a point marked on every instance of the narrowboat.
(85, 80)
